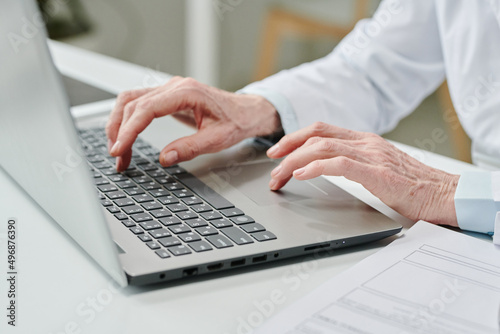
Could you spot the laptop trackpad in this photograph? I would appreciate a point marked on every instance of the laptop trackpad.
(252, 179)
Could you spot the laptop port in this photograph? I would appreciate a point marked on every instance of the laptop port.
(310, 248)
(260, 258)
(190, 272)
(215, 266)
(237, 263)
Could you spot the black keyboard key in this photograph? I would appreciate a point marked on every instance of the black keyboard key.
(141, 217)
(134, 173)
(142, 198)
(206, 230)
(125, 184)
(130, 210)
(95, 158)
(159, 192)
(200, 246)
(107, 187)
(175, 170)
(204, 191)
(199, 208)
(251, 228)
(169, 241)
(178, 229)
(221, 223)
(193, 200)
(150, 185)
(219, 241)
(150, 225)
(118, 178)
(165, 179)
(147, 167)
(177, 207)
(163, 253)
(121, 216)
(160, 213)
(106, 202)
(198, 222)
(189, 237)
(140, 161)
(113, 209)
(124, 202)
(182, 193)
(100, 181)
(136, 230)
(134, 191)
(128, 223)
(116, 195)
(102, 165)
(263, 236)
(170, 221)
(211, 215)
(232, 212)
(186, 215)
(142, 179)
(167, 200)
(153, 245)
(145, 237)
(109, 171)
(242, 220)
(159, 233)
(156, 173)
(179, 250)
(237, 235)
(173, 186)
(151, 205)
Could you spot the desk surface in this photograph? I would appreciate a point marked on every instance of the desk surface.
(61, 290)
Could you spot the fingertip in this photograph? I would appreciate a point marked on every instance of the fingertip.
(115, 150)
(169, 158)
(273, 151)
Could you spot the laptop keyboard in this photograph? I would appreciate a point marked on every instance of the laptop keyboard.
(170, 210)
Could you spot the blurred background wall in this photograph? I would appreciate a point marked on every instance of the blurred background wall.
(152, 33)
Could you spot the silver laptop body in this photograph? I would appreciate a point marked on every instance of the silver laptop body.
(41, 151)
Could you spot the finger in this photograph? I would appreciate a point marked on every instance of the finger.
(315, 148)
(292, 141)
(122, 162)
(115, 118)
(206, 140)
(146, 110)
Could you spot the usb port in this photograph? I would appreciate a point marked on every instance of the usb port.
(260, 258)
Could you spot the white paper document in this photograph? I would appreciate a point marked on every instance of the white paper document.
(430, 280)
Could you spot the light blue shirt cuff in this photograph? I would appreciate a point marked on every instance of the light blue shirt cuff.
(281, 104)
(474, 202)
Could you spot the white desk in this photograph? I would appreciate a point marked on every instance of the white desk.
(61, 290)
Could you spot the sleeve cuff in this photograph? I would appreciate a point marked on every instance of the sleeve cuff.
(475, 205)
(285, 110)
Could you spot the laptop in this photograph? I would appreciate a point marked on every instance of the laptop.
(152, 224)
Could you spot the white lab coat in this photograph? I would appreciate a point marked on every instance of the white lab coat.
(388, 64)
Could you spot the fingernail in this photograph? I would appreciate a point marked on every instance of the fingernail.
(170, 158)
(273, 149)
(272, 184)
(115, 148)
(299, 171)
(276, 171)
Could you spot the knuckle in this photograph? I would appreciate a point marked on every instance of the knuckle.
(144, 105)
(189, 82)
(317, 166)
(325, 145)
(344, 163)
(319, 127)
(129, 109)
(124, 97)
(313, 140)
(191, 149)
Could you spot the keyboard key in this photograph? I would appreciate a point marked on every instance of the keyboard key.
(165, 179)
(242, 220)
(142, 198)
(125, 184)
(124, 202)
(109, 171)
(170, 221)
(160, 213)
(211, 215)
(153, 245)
(100, 181)
(159, 233)
(115, 195)
(198, 222)
(263, 236)
(205, 192)
(121, 216)
(232, 212)
(219, 241)
(182, 193)
(140, 161)
(221, 223)
(189, 237)
(251, 228)
(150, 225)
(147, 167)
(156, 173)
(145, 237)
(134, 173)
(151, 185)
(237, 235)
(175, 170)
(141, 217)
(179, 250)
(106, 202)
(136, 230)
(200, 246)
(151, 205)
(113, 209)
(163, 253)
(159, 192)
(193, 200)
(206, 230)
(107, 187)
(102, 165)
(142, 179)
(134, 191)
(168, 200)
(180, 228)
(173, 186)
(128, 223)
(177, 207)
(169, 241)
(130, 210)
(186, 215)
(201, 207)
